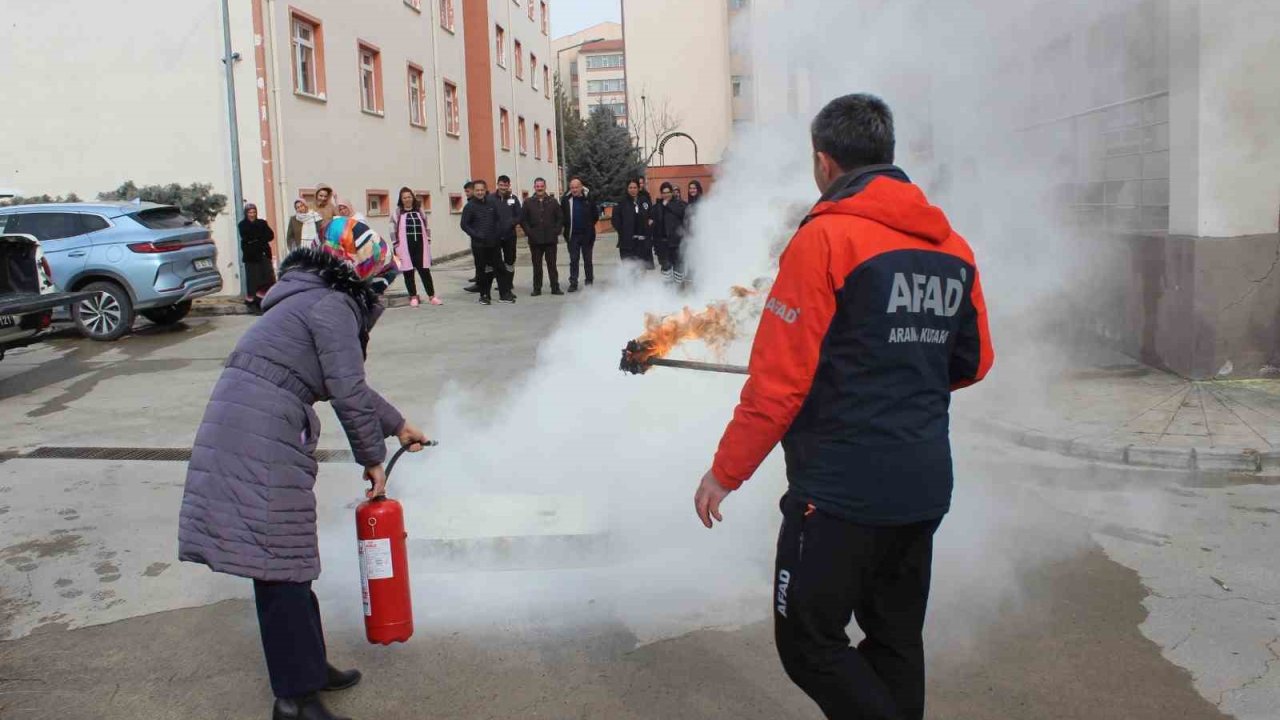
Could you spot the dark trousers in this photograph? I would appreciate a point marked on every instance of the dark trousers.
(584, 247)
(292, 637)
(425, 273)
(509, 257)
(828, 570)
(640, 250)
(544, 254)
(489, 266)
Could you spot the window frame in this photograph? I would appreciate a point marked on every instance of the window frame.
(424, 199)
(452, 117)
(551, 147)
(384, 199)
(374, 70)
(317, 77)
(456, 203)
(537, 146)
(601, 56)
(447, 19)
(415, 5)
(546, 20)
(522, 127)
(518, 52)
(504, 128)
(500, 43)
(546, 80)
(533, 63)
(416, 71)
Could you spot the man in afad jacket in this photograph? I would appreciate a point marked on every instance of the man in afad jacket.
(482, 221)
(542, 224)
(876, 316)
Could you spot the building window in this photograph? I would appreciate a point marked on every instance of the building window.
(603, 62)
(377, 203)
(519, 52)
(530, 3)
(524, 196)
(504, 125)
(415, 4)
(500, 38)
(524, 136)
(308, 55)
(546, 81)
(598, 87)
(537, 146)
(452, 121)
(424, 198)
(551, 147)
(546, 19)
(370, 78)
(446, 15)
(738, 4)
(737, 85)
(533, 63)
(417, 97)
(455, 203)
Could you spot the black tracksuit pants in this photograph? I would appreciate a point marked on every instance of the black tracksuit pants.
(828, 570)
(292, 637)
(490, 266)
(509, 257)
(544, 254)
(425, 274)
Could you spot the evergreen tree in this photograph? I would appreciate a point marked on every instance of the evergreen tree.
(605, 158)
(197, 200)
(569, 124)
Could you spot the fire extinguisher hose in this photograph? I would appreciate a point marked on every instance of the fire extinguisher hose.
(396, 458)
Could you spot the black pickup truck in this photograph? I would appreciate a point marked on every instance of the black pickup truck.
(27, 293)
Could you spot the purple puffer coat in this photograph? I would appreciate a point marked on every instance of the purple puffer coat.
(249, 508)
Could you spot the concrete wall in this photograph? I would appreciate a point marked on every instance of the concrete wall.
(678, 56)
(128, 90)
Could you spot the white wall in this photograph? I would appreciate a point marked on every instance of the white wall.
(678, 54)
(127, 90)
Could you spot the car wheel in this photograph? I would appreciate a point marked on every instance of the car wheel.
(168, 315)
(106, 316)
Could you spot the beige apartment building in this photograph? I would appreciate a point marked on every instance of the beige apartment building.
(366, 97)
(604, 83)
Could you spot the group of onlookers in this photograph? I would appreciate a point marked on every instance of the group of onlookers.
(645, 229)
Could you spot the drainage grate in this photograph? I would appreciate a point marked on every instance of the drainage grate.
(141, 454)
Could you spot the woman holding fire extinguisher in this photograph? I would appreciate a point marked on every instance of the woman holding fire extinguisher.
(249, 508)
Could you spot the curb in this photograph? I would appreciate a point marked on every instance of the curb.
(1192, 459)
(225, 307)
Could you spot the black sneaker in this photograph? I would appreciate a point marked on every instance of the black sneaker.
(573, 287)
(472, 281)
(484, 300)
(508, 298)
(590, 283)
(472, 288)
(535, 293)
(557, 291)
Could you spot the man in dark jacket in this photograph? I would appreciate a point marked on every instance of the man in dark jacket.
(482, 221)
(579, 215)
(511, 213)
(876, 317)
(542, 225)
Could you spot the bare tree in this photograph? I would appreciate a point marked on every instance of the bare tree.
(650, 121)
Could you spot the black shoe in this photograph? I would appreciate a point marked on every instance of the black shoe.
(341, 679)
(472, 288)
(472, 281)
(590, 283)
(508, 298)
(484, 300)
(535, 293)
(556, 291)
(307, 708)
(573, 287)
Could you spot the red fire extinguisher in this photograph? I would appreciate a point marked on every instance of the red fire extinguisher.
(384, 567)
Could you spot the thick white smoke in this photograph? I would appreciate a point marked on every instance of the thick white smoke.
(568, 498)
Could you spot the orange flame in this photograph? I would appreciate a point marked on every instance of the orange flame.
(715, 326)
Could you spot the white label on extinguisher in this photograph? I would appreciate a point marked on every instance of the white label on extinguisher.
(375, 564)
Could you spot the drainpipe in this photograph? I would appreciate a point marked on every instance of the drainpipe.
(237, 192)
(437, 88)
(286, 202)
(511, 75)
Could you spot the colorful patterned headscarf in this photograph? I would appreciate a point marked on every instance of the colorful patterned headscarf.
(356, 244)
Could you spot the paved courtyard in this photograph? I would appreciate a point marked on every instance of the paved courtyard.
(559, 571)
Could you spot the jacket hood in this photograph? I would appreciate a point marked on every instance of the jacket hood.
(884, 194)
(308, 269)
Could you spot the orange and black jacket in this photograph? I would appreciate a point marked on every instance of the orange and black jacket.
(876, 316)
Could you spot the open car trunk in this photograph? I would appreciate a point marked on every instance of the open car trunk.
(24, 288)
